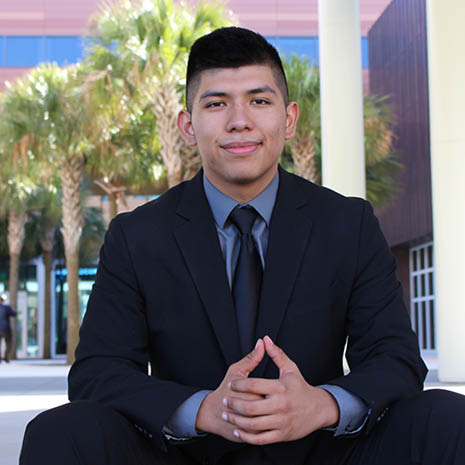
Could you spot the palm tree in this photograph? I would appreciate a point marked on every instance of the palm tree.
(126, 150)
(45, 207)
(143, 48)
(304, 87)
(305, 147)
(16, 186)
(381, 163)
(52, 107)
(14, 198)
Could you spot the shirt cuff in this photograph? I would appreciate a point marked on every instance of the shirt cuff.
(181, 424)
(353, 412)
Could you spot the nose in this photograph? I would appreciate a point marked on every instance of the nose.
(239, 118)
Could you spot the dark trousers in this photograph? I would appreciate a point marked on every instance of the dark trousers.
(428, 429)
(7, 338)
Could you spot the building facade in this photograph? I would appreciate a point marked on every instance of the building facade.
(399, 68)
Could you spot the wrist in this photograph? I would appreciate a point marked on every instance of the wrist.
(202, 420)
(329, 409)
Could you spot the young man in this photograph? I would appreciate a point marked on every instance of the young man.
(246, 254)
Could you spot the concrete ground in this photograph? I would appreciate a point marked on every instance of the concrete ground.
(29, 387)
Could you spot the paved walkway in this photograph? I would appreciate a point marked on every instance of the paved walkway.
(29, 387)
(26, 388)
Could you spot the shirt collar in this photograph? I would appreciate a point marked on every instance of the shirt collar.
(222, 205)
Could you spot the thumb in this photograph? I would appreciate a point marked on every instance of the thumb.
(279, 357)
(247, 364)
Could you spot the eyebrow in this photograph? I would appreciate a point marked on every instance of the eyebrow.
(261, 90)
(257, 90)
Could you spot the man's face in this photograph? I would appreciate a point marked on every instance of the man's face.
(239, 121)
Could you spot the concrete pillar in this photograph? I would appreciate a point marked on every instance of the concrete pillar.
(40, 275)
(446, 66)
(343, 158)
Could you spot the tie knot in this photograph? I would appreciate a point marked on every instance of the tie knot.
(243, 218)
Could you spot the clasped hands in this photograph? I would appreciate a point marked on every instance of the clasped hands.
(264, 411)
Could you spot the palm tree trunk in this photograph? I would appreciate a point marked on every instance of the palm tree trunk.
(191, 162)
(303, 155)
(166, 108)
(16, 233)
(46, 242)
(72, 171)
(113, 204)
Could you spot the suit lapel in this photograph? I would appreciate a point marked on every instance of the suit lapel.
(198, 240)
(289, 235)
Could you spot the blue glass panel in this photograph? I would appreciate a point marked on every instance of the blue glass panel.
(2, 50)
(302, 46)
(63, 49)
(24, 50)
(365, 60)
(309, 46)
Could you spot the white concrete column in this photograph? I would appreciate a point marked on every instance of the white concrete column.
(343, 158)
(446, 66)
(40, 275)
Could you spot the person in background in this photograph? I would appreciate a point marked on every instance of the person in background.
(6, 312)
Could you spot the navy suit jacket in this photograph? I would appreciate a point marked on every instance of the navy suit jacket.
(161, 297)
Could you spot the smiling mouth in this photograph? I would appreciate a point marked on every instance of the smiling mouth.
(241, 148)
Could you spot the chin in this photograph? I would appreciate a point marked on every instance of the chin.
(243, 178)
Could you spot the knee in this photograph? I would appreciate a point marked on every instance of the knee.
(62, 420)
(47, 424)
(55, 435)
(446, 400)
(442, 407)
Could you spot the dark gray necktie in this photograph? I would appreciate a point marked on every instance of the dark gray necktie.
(247, 277)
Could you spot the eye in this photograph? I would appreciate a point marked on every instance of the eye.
(260, 101)
(214, 104)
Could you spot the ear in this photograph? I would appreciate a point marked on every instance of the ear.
(185, 128)
(292, 115)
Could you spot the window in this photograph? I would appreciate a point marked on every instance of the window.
(63, 50)
(2, 50)
(23, 50)
(365, 63)
(302, 46)
(28, 51)
(422, 308)
(309, 46)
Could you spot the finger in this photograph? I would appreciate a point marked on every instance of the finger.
(255, 425)
(247, 364)
(259, 386)
(248, 395)
(259, 439)
(252, 408)
(279, 357)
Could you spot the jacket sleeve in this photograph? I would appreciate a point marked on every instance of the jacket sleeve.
(112, 355)
(382, 350)
(10, 311)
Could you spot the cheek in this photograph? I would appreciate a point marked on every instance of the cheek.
(205, 132)
(276, 126)
(204, 143)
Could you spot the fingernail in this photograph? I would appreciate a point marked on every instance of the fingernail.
(225, 402)
(256, 345)
(236, 433)
(224, 416)
(229, 385)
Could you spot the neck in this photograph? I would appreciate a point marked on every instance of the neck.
(243, 192)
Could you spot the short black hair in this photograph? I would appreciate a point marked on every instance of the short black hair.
(231, 47)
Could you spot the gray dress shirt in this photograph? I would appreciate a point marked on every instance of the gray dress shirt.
(181, 425)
